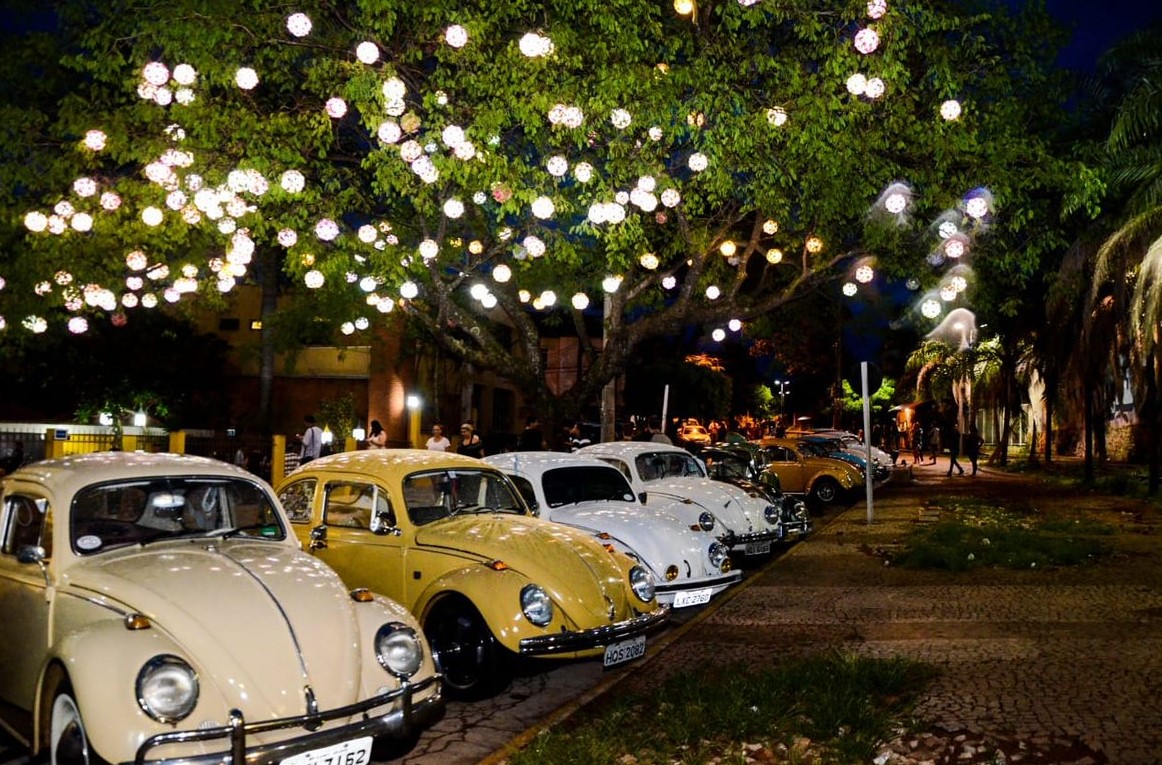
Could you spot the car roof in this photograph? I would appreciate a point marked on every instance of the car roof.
(629, 448)
(69, 474)
(540, 462)
(392, 461)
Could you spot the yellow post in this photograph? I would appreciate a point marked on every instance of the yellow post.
(414, 428)
(350, 444)
(277, 459)
(177, 442)
(128, 442)
(53, 449)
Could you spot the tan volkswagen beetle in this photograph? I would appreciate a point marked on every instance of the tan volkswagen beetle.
(450, 537)
(157, 608)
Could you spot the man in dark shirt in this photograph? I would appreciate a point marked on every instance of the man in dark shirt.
(531, 438)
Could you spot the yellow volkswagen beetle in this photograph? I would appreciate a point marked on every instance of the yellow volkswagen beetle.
(823, 479)
(155, 608)
(450, 537)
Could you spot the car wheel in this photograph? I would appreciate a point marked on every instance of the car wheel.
(825, 491)
(465, 651)
(68, 742)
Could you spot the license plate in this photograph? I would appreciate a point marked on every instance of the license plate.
(692, 598)
(356, 752)
(627, 650)
(758, 548)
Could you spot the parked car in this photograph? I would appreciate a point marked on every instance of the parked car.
(746, 522)
(450, 537)
(157, 608)
(831, 445)
(824, 479)
(736, 465)
(693, 435)
(689, 564)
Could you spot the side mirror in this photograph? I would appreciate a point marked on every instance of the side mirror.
(318, 538)
(30, 554)
(642, 497)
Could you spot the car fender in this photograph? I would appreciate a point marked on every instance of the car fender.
(101, 662)
(371, 616)
(495, 594)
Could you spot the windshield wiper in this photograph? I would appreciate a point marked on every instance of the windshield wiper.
(236, 530)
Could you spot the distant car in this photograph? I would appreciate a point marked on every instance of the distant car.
(450, 537)
(694, 435)
(737, 465)
(745, 521)
(833, 444)
(800, 471)
(689, 564)
(156, 608)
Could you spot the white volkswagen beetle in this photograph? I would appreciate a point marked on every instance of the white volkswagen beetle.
(744, 521)
(157, 608)
(690, 565)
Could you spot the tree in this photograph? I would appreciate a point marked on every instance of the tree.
(482, 165)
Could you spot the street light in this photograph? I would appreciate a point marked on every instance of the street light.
(414, 404)
(783, 387)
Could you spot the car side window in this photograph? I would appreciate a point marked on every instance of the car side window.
(296, 500)
(27, 524)
(525, 487)
(349, 504)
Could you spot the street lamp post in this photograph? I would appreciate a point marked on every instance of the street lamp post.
(783, 386)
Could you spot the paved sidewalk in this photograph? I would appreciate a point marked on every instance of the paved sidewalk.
(1058, 666)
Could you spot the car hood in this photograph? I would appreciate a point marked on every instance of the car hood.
(261, 620)
(581, 576)
(658, 538)
(733, 507)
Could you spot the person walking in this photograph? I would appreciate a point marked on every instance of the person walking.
(932, 442)
(438, 442)
(972, 444)
(952, 436)
(917, 436)
(470, 443)
(377, 438)
(311, 441)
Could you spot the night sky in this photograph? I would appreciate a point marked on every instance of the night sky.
(1097, 24)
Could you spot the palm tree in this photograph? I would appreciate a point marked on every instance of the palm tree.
(1125, 302)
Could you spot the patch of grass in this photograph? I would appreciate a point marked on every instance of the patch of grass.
(845, 705)
(974, 533)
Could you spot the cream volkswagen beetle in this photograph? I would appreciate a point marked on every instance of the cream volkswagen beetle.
(156, 608)
(450, 537)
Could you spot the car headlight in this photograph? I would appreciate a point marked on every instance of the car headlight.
(771, 514)
(706, 521)
(642, 583)
(398, 649)
(536, 605)
(718, 553)
(167, 688)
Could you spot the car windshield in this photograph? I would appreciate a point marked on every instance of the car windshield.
(722, 465)
(432, 495)
(146, 510)
(813, 449)
(585, 483)
(653, 466)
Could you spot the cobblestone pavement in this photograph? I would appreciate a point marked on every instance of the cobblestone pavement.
(1048, 666)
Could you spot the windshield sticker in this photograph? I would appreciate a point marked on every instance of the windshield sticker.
(89, 542)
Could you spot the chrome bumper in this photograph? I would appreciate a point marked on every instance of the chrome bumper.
(699, 584)
(568, 642)
(412, 716)
(732, 540)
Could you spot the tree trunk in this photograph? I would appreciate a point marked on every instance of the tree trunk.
(1149, 420)
(1088, 432)
(1050, 394)
(269, 279)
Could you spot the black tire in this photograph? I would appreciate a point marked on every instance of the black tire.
(825, 490)
(68, 741)
(474, 665)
